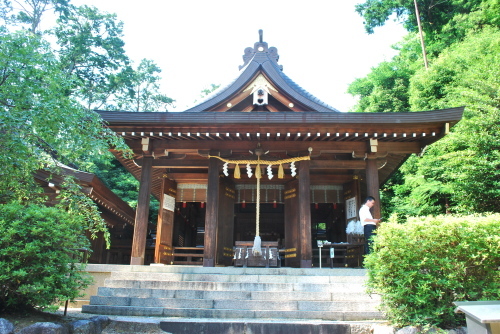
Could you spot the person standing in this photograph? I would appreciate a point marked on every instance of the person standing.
(368, 222)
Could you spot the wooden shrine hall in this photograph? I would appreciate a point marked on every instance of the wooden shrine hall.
(263, 157)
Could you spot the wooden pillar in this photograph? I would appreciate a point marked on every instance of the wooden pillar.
(292, 236)
(372, 185)
(225, 222)
(212, 213)
(165, 226)
(142, 213)
(305, 215)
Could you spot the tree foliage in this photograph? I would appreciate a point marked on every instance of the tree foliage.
(207, 91)
(443, 21)
(39, 263)
(141, 91)
(460, 172)
(468, 160)
(41, 125)
(385, 88)
(91, 48)
(29, 13)
(48, 91)
(421, 267)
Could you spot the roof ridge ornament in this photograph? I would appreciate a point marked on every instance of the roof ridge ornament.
(259, 48)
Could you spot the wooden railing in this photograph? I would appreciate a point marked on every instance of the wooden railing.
(188, 255)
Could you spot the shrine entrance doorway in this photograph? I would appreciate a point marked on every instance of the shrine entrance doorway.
(272, 222)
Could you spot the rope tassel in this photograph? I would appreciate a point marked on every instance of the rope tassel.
(237, 173)
(257, 249)
(258, 172)
(281, 172)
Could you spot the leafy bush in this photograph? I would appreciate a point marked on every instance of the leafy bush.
(421, 267)
(38, 257)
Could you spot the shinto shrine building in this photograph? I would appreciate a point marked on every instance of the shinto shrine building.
(322, 163)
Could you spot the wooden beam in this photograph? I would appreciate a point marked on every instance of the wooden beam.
(182, 163)
(189, 177)
(233, 102)
(337, 164)
(330, 178)
(200, 163)
(192, 146)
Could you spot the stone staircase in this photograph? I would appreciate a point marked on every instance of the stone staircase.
(237, 293)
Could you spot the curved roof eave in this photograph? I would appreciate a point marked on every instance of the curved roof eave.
(227, 91)
(292, 89)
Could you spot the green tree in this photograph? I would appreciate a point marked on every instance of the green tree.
(463, 166)
(29, 13)
(443, 21)
(40, 263)
(466, 162)
(207, 91)
(92, 49)
(421, 267)
(140, 89)
(386, 87)
(40, 124)
(435, 14)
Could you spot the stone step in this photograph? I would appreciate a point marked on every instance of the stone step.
(248, 278)
(272, 305)
(233, 270)
(273, 326)
(231, 313)
(247, 295)
(249, 326)
(234, 286)
(236, 293)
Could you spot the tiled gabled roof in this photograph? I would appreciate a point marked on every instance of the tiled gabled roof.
(262, 59)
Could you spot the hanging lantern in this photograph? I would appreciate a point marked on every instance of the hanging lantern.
(243, 204)
(275, 205)
(184, 204)
(202, 205)
(316, 206)
(335, 206)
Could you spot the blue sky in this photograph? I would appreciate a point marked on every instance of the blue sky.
(322, 44)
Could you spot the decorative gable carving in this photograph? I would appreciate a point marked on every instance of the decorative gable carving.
(260, 47)
(261, 89)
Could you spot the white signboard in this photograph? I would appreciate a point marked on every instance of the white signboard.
(168, 202)
(351, 208)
